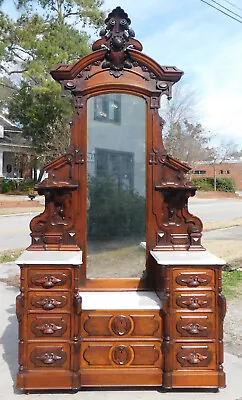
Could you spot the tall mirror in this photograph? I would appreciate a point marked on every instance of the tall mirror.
(116, 185)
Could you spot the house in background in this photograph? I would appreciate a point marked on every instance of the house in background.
(14, 150)
(227, 169)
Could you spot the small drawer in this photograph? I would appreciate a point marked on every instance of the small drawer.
(193, 279)
(50, 302)
(48, 327)
(121, 354)
(194, 301)
(49, 279)
(121, 324)
(48, 356)
(194, 326)
(194, 356)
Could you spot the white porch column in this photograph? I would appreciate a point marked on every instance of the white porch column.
(1, 163)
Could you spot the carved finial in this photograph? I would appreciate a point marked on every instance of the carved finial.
(117, 37)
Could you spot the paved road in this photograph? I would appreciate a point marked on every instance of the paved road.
(214, 210)
(14, 230)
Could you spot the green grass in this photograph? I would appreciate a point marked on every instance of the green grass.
(232, 283)
(10, 255)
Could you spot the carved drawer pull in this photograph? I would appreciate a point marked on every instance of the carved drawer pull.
(193, 302)
(193, 280)
(49, 358)
(194, 328)
(48, 281)
(194, 358)
(48, 328)
(49, 303)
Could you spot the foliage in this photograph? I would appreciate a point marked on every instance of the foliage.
(207, 184)
(44, 115)
(17, 186)
(114, 211)
(225, 184)
(232, 281)
(47, 33)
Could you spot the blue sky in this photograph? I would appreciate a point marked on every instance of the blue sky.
(205, 44)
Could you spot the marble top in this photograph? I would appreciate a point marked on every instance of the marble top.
(120, 301)
(50, 257)
(186, 258)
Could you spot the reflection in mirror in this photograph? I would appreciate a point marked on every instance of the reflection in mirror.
(116, 185)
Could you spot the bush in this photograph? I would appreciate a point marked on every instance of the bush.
(207, 184)
(225, 185)
(17, 185)
(114, 211)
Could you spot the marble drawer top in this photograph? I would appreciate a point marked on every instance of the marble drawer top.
(120, 301)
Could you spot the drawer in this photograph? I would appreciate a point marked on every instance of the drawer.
(49, 279)
(194, 301)
(48, 327)
(194, 356)
(128, 354)
(49, 302)
(193, 279)
(48, 356)
(121, 324)
(194, 326)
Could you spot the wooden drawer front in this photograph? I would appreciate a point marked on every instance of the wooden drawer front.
(194, 356)
(48, 327)
(49, 356)
(121, 354)
(121, 324)
(49, 279)
(50, 302)
(190, 279)
(194, 301)
(194, 326)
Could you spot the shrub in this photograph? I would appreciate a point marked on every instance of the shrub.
(114, 211)
(17, 185)
(207, 184)
(225, 185)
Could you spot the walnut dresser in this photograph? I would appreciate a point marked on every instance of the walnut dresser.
(116, 202)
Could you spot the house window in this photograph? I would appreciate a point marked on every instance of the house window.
(117, 164)
(200, 172)
(107, 108)
(221, 172)
(228, 172)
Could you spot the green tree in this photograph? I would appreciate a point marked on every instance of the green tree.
(47, 33)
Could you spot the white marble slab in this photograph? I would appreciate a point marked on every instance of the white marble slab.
(50, 257)
(120, 301)
(186, 258)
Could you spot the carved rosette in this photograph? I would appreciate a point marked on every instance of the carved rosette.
(122, 355)
(121, 325)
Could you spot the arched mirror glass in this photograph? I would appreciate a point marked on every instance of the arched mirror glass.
(116, 185)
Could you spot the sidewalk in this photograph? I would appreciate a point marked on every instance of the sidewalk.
(8, 365)
(20, 204)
